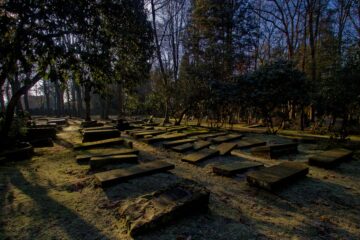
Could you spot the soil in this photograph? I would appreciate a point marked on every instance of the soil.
(51, 196)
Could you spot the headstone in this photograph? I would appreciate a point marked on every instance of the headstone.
(20, 152)
(162, 207)
(273, 178)
(200, 155)
(104, 143)
(274, 151)
(183, 147)
(97, 162)
(212, 135)
(112, 177)
(226, 138)
(86, 157)
(42, 142)
(92, 123)
(330, 158)
(231, 169)
(249, 143)
(40, 133)
(178, 142)
(97, 135)
(225, 148)
(198, 145)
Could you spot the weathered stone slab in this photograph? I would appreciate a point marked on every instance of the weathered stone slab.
(61, 121)
(273, 151)
(92, 123)
(226, 138)
(230, 169)
(97, 135)
(173, 129)
(250, 143)
(183, 147)
(225, 148)
(112, 177)
(196, 133)
(166, 137)
(201, 144)
(20, 152)
(81, 130)
(97, 162)
(86, 157)
(40, 133)
(273, 178)
(178, 142)
(200, 155)
(212, 135)
(162, 207)
(144, 133)
(104, 143)
(42, 142)
(330, 158)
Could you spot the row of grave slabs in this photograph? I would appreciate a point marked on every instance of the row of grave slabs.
(234, 153)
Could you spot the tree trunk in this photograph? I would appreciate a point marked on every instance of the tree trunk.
(87, 103)
(26, 102)
(47, 96)
(79, 100)
(2, 100)
(120, 101)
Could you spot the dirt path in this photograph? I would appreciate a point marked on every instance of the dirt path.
(52, 197)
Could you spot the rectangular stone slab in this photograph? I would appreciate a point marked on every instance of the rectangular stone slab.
(92, 123)
(201, 144)
(273, 151)
(330, 158)
(97, 162)
(144, 133)
(104, 143)
(212, 135)
(112, 177)
(178, 142)
(249, 143)
(81, 130)
(183, 147)
(225, 148)
(97, 135)
(226, 138)
(166, 137)
(40, 133)
(162, 207)
(86, 157)
(273, 178)
(230, 169)
(200, 155)
(58, 121)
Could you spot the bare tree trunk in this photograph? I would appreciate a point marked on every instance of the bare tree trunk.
(120, 101)
(87, 103)
(79, 100)
(2, 100)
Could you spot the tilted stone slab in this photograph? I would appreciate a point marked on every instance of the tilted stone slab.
(82, 130)
(115, 176)
(183, 147)
(227, 138)
(212, 135)
(273, 178)
(97, 135)
(84, 158)
(249, 143)
(40, 133)
(99, 144)
(92, 123)
(231, 169)
(162, 207)
(144, 133)
(201, 144)
(273, 151)
(178, 142)
(97, 162)
(225, 148)
(173, 129)
(61, 121)
(200, 155)
(166, 137)
(330, 158)
(196, 133)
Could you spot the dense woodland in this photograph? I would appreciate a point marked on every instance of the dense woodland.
(286, 63)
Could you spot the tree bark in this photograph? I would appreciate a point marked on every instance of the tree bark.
(87, 103)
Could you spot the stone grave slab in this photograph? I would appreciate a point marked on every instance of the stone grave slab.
(97, 162)
(97, 135)
(84, 158)
(42, 142)
(276, 150)
(249, 143)
(275, 177)
(92, 123)
(162, 207)
(198, 145)
(226, 138)
(178, 142)
(115, 176)
(61, 121)
(99, 144)
(166, 137)
(144, 133)
(40, 133)
(225, 148)
(20, 152)
(81, 130)
(330, 158)
(183, 147)
(200, 155)
(231, 169)
(212, 135)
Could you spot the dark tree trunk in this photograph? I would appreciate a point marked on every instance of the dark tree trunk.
(120, 101)
(47, 97)
(80, 109)
(26, 102)
(87, 103)
(74, 99)
(2, 100)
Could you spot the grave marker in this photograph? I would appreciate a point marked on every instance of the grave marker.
(200, 155)
(330, 158)
(231, 169)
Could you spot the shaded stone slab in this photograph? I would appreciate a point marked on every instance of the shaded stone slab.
(275, 177)
(330, 158)
(212, 135)
(200, 155)
(183, 147)
(225, 148)
(81, 130)
(196, 133)
(163, 207)
(166, 137)
(144, 133)
(249, 143)
(20, 152)
(231, 169)
(61, 121)
(97, 135)
(226, 138)
(40, 133)
(201, 144)
(97, 162)
(178, 142)
(173, 129)
(92, 123)
(84, 158)
(104, 143)
(273, 151)
(42, 142)
(115, 176)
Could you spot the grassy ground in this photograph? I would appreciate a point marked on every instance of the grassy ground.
(53, 197)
